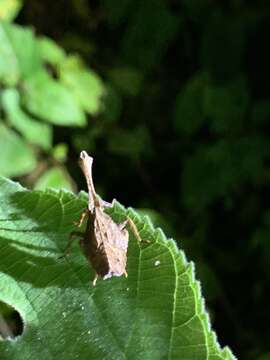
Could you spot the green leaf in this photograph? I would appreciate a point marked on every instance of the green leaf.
(156, 218)
(60, 152)
(16, 157)
(51, 101)
(55, 178)
(132, 143)
(221, 168)
(85, 85)
(9, 9)
(27, 126)
(127, 80)
(145, 33)
(50, 52)
(9, 67)
(264, 356)
(188, 112)
(155, 313)
(226, 105)
(19, 55)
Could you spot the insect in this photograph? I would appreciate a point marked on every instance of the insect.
(104, 242)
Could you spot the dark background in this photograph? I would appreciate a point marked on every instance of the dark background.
(184, 132)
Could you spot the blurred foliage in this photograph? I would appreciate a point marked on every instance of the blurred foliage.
(179, 124)
(9, 9)
(41, 86)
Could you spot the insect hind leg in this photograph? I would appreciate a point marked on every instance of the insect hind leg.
(72, 237)
(135, 231)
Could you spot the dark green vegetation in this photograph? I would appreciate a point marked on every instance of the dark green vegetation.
(183, 133)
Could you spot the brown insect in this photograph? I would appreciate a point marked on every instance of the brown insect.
(104, 242)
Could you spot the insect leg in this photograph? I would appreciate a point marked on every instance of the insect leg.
(81, 220)
(95, 279)
(71, 239)
(135, 231)
(123, 225)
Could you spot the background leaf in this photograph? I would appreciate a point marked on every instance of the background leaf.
(51, 101)
(221, 168)
(35, 132)
(188, 111)
(85, 85)
(54, 178)
(17, 61)
(226, 105)
(144, 32)
(50, 51)
(16, 157)
(9, 69)
(135, 143)
(160, 313)
(9, 9)
(128, 80)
